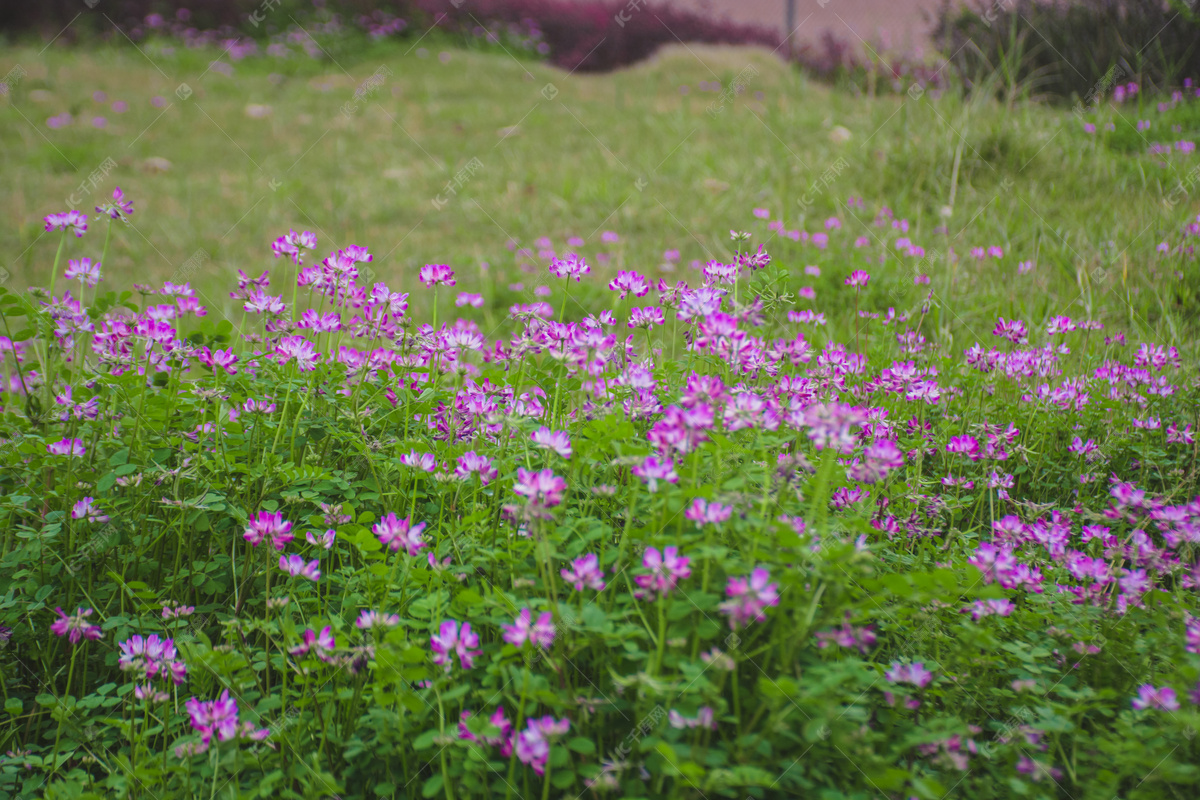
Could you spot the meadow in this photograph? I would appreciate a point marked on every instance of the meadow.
(437, 423)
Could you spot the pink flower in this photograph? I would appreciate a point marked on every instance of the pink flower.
(584, 571)
(540, 488)
(450, 640)
(471, 463)
(272, 524)
(294, 565)
(652, 470)
(540, 633)
(469, 299)
(73, 221)
(152, 655)
(533, 744)
(75, 627)
(399, 533)
(571, 266)
(436, 275)
(915, 673)
(704, 513)
(749, 597)
(629, 281)
(218, 716)
(645, 317)
(376, 619)
(67, 447)
(558, 441)
(667, 568)
(325, 539)
(84, 270)
(704, 718)
(422, 461)
(1152, 698)
(858, 279)
(85, 510)
(322, 643)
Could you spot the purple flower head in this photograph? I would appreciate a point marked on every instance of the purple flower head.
(119, 207)
(83, 270)
(524, 629)
(322, 643)
(629, 281)
(914, 673)
(370, 618)
(451, 640)
(151, 656)
(1151, 698)
(667, 568)
(437, 275)
(218, 716)
(540, 488)
(85, 509)
(749, 597)
(702, 512)
(470, 463)
(73, 221)
(422, 461)
(295, 566)
(858, 279)
(67, 447)
(75, 627)
(584, 571)
(269, 524)
(399, 533)
(653, 470)
(571, 266)
(558, 441)
(533, 744)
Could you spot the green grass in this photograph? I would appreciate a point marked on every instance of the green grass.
(623, 151)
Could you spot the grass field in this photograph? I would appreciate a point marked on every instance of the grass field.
(712, 547)
(517, 150)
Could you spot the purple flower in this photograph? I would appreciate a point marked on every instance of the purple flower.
(269, 524)
(533, 744)
(540, 633)
(558, 441)
(295, 566)
(858, 279)
(667, 568)
(376, 619)
(704, 513)
(325, 539)
(152, 655)
(422, 461)
(83, 270)
(436, 275)
(471, 463)
(914, 673)
(652, 470)
(218, 716)
(85, 510)
(75, 627)
(119, 206)
(571, 266)
(399, 533)
(323, 643)
(748, 597)
(67, 447)
(584, 571)
(629, 281)
(469, 299)
(541, 488)
(450, 640)
(1150, 697)
(74, 221)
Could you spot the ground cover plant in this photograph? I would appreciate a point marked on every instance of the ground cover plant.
(876, 499)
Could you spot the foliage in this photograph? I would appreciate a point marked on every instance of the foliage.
(756, 550)
(1067, 51)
